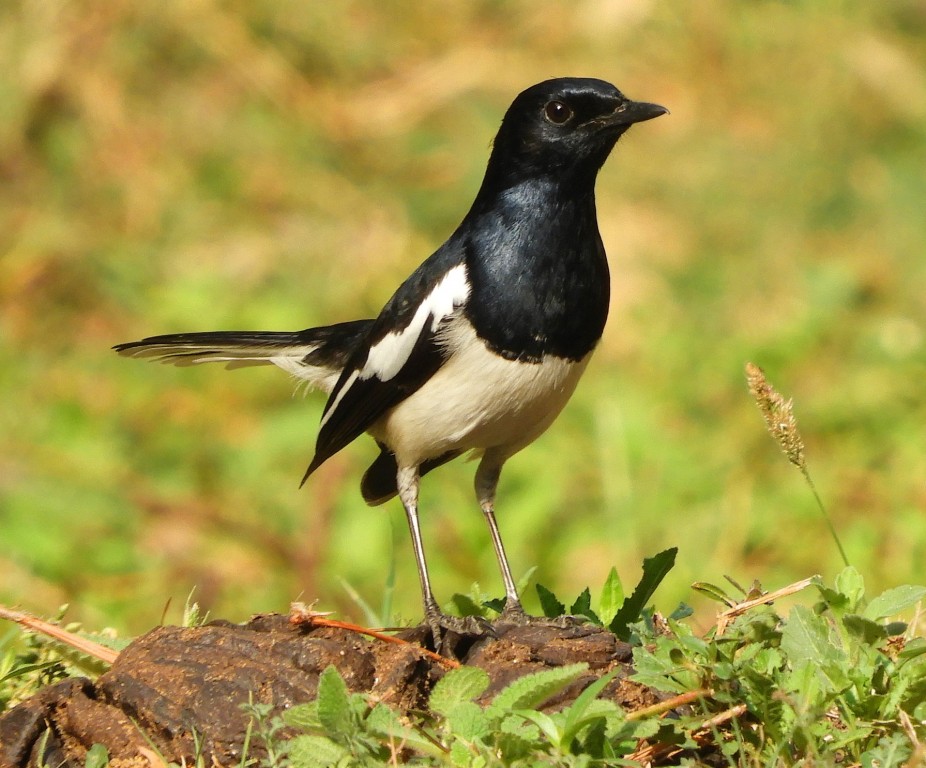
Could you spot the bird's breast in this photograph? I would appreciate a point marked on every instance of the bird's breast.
(478, 400)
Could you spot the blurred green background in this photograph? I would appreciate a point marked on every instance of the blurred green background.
(199, 165)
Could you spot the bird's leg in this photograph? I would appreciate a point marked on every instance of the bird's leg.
(408, 493)
(436, 620)
(486, 482)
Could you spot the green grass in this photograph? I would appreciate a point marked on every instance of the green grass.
(283, 164)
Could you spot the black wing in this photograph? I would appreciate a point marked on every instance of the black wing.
(402, 351)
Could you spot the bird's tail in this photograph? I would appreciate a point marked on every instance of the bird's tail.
(316, 355)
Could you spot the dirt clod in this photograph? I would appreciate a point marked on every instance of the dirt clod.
(174, 687)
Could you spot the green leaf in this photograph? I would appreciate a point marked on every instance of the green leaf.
(598, 712)
(532, 690)
(654, 571)
(549, 603)
(865, 630)
(714, 593)
(806, 637)
(850, 583)
(526, 579)
(459, 685)
(893, 601)
(583, 606)
(97, 757)
(461, 754)
(544, 722)
(314, 752)
(384, 723)
(612, 597)
(303, 716)
(511, 746)
(576, 712)
(464, 605)
(915, 647)
(892, 750)
(334, 708)
(467, 720)
(496, 604)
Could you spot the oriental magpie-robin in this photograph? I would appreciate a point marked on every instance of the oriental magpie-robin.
(481, 347)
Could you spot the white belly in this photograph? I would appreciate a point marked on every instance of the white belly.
(478, 400)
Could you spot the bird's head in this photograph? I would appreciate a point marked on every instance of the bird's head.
(564, 127)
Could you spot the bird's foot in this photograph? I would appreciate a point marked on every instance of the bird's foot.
(452, 635)
(513, 614)
(475, 626)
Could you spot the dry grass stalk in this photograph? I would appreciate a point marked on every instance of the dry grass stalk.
(724, 619)
(82, 644)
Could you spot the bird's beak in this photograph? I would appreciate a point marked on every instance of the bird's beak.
(631, 112)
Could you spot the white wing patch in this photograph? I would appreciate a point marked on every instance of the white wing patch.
(389, 355)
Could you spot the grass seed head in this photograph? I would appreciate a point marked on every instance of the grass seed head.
(778, 414)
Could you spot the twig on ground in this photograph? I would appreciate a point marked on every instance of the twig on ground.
(669, 704)
(301, 614)
(647, 753)
(725, 617)
(82, 644)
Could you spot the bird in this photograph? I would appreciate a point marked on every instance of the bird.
(480, 348)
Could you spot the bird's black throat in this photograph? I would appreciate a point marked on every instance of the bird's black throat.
(540, 282)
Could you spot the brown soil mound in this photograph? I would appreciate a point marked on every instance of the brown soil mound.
(175, 686)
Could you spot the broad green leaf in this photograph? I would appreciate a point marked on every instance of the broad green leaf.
(464, 605)
(865, 630)
(334, 709)
(384, 722)
(532, 690)
(97, 757)
(654, 571)
(304, 716)
(808, 641)
(806, 637)
(549, 603)
(458, 685)
(583, 604)
(461, 754)
(833, 599)
(496, 604)
(314, 752)
(467, 720)
(511, 747)
(893, 601)
(612, 597)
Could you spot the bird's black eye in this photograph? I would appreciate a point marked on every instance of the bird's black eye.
(557, 112)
